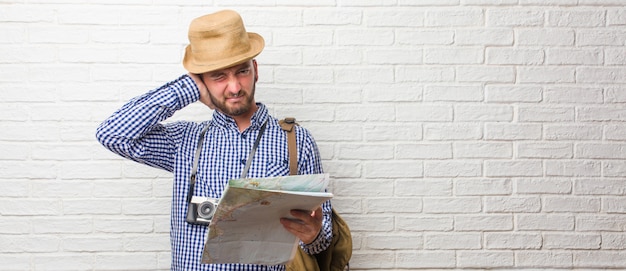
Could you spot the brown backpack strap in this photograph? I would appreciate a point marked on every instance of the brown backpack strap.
(287, 125)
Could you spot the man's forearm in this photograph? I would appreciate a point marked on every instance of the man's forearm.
(134, 129)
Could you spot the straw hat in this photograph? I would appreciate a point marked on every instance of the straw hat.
(218, 41)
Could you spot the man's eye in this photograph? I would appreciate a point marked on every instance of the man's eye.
(217, 78)
(244, 71)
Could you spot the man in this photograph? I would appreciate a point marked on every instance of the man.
(222, 75)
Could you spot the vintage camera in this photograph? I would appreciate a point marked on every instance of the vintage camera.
(201, 210)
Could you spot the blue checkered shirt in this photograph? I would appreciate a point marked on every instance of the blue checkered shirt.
(136, 132)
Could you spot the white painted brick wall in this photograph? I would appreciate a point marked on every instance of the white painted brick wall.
(459, 134)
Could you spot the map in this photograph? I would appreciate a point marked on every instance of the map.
(246, 226)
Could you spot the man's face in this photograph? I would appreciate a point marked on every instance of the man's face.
(232, 89)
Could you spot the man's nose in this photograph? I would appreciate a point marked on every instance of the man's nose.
(233, 85)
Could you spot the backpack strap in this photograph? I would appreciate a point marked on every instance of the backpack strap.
(287, 124)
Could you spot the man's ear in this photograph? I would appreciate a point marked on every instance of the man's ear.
(256, 71)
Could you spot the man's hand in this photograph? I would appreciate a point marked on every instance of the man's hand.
(204, 92)
(306, 226)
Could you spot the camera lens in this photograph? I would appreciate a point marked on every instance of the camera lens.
(206, 210)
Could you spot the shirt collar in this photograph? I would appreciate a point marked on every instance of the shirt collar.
(258, 118)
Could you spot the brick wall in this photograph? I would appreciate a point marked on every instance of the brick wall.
(458, 133)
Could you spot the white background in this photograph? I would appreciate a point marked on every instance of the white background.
(458, 133)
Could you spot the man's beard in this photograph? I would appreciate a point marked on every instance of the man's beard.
(246, 106)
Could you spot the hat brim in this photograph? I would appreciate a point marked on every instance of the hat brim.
(256, 46)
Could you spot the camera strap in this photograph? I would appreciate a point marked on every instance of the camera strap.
(244, 172)
(196, 158)
(194, 169)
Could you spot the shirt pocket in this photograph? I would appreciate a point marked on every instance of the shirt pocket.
(277, 168)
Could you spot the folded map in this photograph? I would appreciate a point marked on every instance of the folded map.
(246, 226)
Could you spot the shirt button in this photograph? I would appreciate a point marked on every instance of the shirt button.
(243, 136)
(243, 161)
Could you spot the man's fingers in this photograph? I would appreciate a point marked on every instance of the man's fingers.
(204, 92)
(303, 231)
(305, 224)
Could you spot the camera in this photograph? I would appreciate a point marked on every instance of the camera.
(201, 210)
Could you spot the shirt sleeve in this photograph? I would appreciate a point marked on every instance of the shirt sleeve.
(134, 131)
(310, 163)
